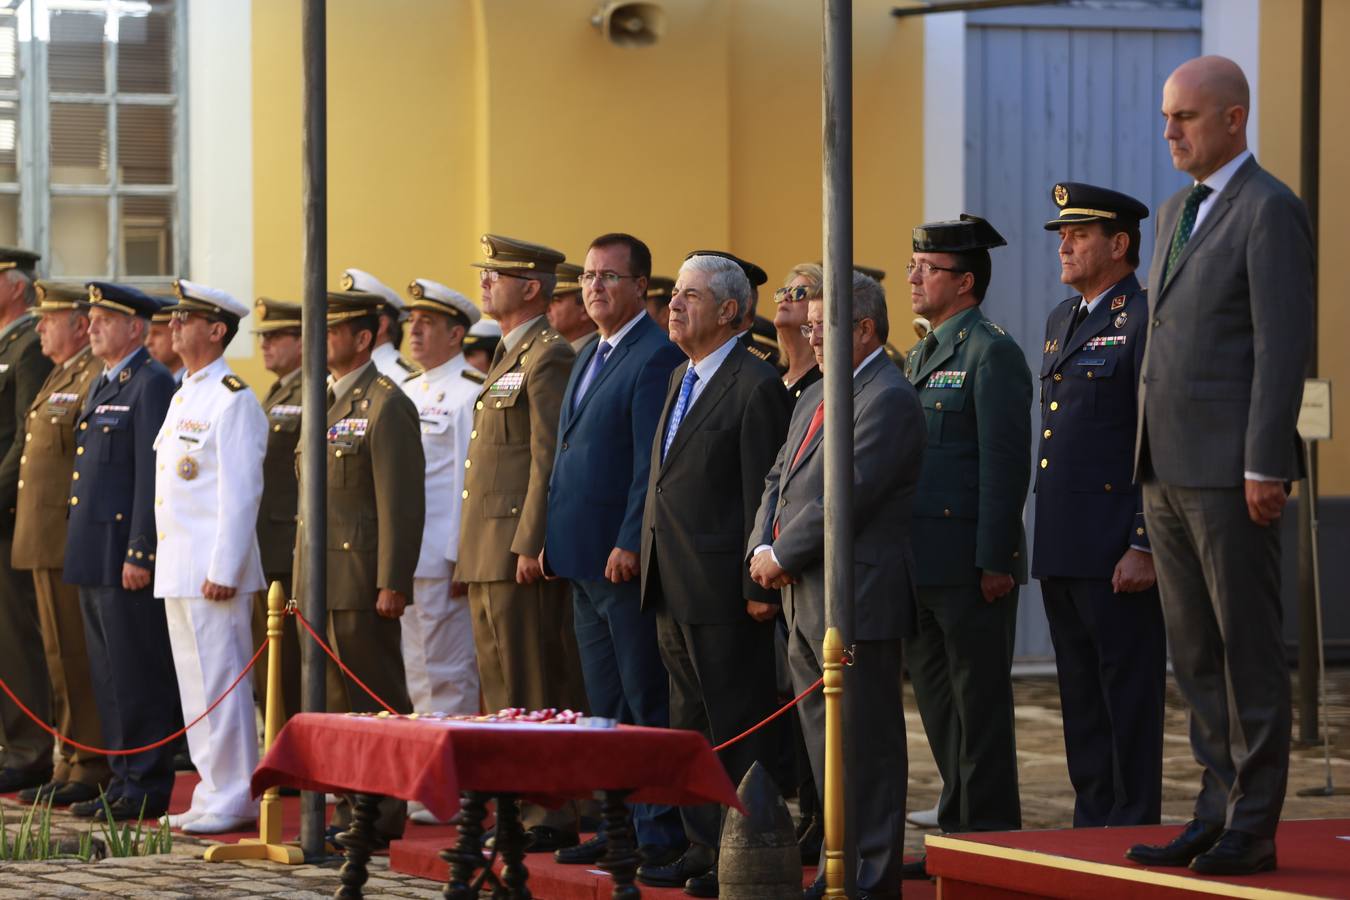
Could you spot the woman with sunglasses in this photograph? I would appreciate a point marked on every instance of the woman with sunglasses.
(804, 282)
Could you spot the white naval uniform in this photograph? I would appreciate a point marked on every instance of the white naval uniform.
(391, 364)
(438, 650)
(208, 484)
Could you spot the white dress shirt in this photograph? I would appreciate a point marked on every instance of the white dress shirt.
(706, 369)
(1217, 181)
(208, 484)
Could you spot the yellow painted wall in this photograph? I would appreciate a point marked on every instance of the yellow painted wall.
(1279, 146)
(448, 119)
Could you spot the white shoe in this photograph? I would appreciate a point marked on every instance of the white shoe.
(924, 818)
(178, 820)
(210, 823)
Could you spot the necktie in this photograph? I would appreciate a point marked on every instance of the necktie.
(817, 420)
(1079, 318)
(332, 398)
(929, 345)
(597, 363)
(681, 407)
(1185, 225)
(498, 353)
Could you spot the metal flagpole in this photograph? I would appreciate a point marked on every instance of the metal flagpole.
(838, 293)
(314, 337)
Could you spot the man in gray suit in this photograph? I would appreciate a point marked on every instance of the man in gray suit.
(1229, 330)
(787, 551)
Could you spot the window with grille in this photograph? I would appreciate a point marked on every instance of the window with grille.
(92, 137)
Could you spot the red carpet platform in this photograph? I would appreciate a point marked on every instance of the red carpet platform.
(417, 855)
(1314, 858)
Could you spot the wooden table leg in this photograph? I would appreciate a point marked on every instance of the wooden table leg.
(510, 844)
(359, 842)
(621, 856)
(467, 856)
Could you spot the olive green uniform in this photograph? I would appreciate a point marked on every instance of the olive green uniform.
(975, 388)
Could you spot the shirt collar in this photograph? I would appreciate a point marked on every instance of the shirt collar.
(291, 375)
(344, 384)
(1219, 178)
(871, 356)
(708, 366)
(613, 339)
(957, 322)
(79, 355)
(27, 316)
(110, 371)
(206, 371)
(513, 337)
(450, 367)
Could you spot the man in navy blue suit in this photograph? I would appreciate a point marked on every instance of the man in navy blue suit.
(110, 552)
(595, 501)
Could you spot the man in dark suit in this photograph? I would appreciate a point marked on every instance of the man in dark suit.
(788, 552)
(110, 552)
(724, 419)
(595, 500)
(25, 749)
(969, 549)
(1091, 548)
(1229, 334)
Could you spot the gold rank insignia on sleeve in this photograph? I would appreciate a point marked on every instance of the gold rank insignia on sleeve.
(233, 382)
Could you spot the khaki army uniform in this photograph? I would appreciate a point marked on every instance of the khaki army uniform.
(376, 508)
(527, 654)
(26, 746)
(39, 544)
(276, 530)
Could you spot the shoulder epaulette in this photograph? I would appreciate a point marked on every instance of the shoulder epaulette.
(405, 365)
(474, 375)
(994, 327)
(384, 382)
(233, 382)
(758, 352)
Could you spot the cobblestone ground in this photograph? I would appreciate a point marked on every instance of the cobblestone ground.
(1047, 802)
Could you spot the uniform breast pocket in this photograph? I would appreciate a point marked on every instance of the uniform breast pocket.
(1093, 375)
(285, 424)
(435, 424)
(113, 433)
(941, 406)
(345, 457)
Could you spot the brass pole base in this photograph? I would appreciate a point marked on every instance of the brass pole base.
(253, 848)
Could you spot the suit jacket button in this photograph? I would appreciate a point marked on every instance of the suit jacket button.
(276, 427)
(1047, 432)
(106, 429)
(947, 513)
(564, 445)
(74, 501)
(1054, 405)
(346, 545)
(1016, 554)
(478, 405)
(20, 482)
(498, 404)
(1157, 323)
(1108, 488)
(337, 454)
(658, 488)
(118, 517)
(79, 451)
(473, 434)
(1139, 531)
(1089, 374)
(515, 510)
(937, 405)
(1044, 462)
(84, 425)
(468, 464)
(1059, 377)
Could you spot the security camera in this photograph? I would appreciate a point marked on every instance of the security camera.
(630, 24)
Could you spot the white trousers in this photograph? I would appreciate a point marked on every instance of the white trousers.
(212, 642)
(438, 654)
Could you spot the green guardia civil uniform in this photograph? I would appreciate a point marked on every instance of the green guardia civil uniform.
(975, 388)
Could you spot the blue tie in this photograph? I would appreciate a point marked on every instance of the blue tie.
(597, 363)
(681, 407)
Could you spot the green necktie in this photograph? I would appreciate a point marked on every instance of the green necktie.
(1185, 225)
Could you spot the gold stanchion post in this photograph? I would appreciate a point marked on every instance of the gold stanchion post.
(267, 845)
(834, 765)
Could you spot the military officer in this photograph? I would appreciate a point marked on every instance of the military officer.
(160, 340)
(376, 508)
(969, 549)
(277, 325)
(393, 312)
(111, 545)
(39, 539)
(26, 758)
(522, 624)
(567, 311)
(1091, 549)
(208, 484)
(438, 653)
(480, 344)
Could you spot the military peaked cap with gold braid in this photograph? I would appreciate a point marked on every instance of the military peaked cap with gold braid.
(569, 279)
(344, 306)
(122, 298)
(510, 253)
(56, 296)
(659, 288)
(275, 315)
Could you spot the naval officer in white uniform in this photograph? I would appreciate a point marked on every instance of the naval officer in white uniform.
(208, 484)
(393, 314)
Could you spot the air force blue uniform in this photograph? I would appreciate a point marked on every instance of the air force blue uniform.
(1110, 648)
(112, 522)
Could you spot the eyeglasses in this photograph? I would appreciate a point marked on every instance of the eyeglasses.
(794, 294)
(926, 269)
(492, 276)
(811, 328)
(609, 278)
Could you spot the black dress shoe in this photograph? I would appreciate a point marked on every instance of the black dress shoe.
(87, 809)
(704, 885)
(1195, 838)
(74, 792)
(661, 854)
(675, 874)
(809, 839)
(40, 792)
(123, 809)
(587, 853)
(546, 839)
(12, 780)
(182, 762)
(814, 891)
(915, 870)
(1236, 853)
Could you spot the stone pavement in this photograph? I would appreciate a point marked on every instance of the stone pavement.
(1047, 802)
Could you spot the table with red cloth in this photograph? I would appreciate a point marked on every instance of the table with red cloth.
(455, 766)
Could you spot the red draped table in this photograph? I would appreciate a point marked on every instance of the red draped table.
(455, 766)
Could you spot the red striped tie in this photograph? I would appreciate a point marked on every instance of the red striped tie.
(817, 420)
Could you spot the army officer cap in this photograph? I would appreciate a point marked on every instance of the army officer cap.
(122, 298)
(275, 315)
(1080, 202)
(659, 289)
(18, 258)
(347, 305)
(57, 296)
(754, 273)
(507, 254)
(435, 297)
(569, 279)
